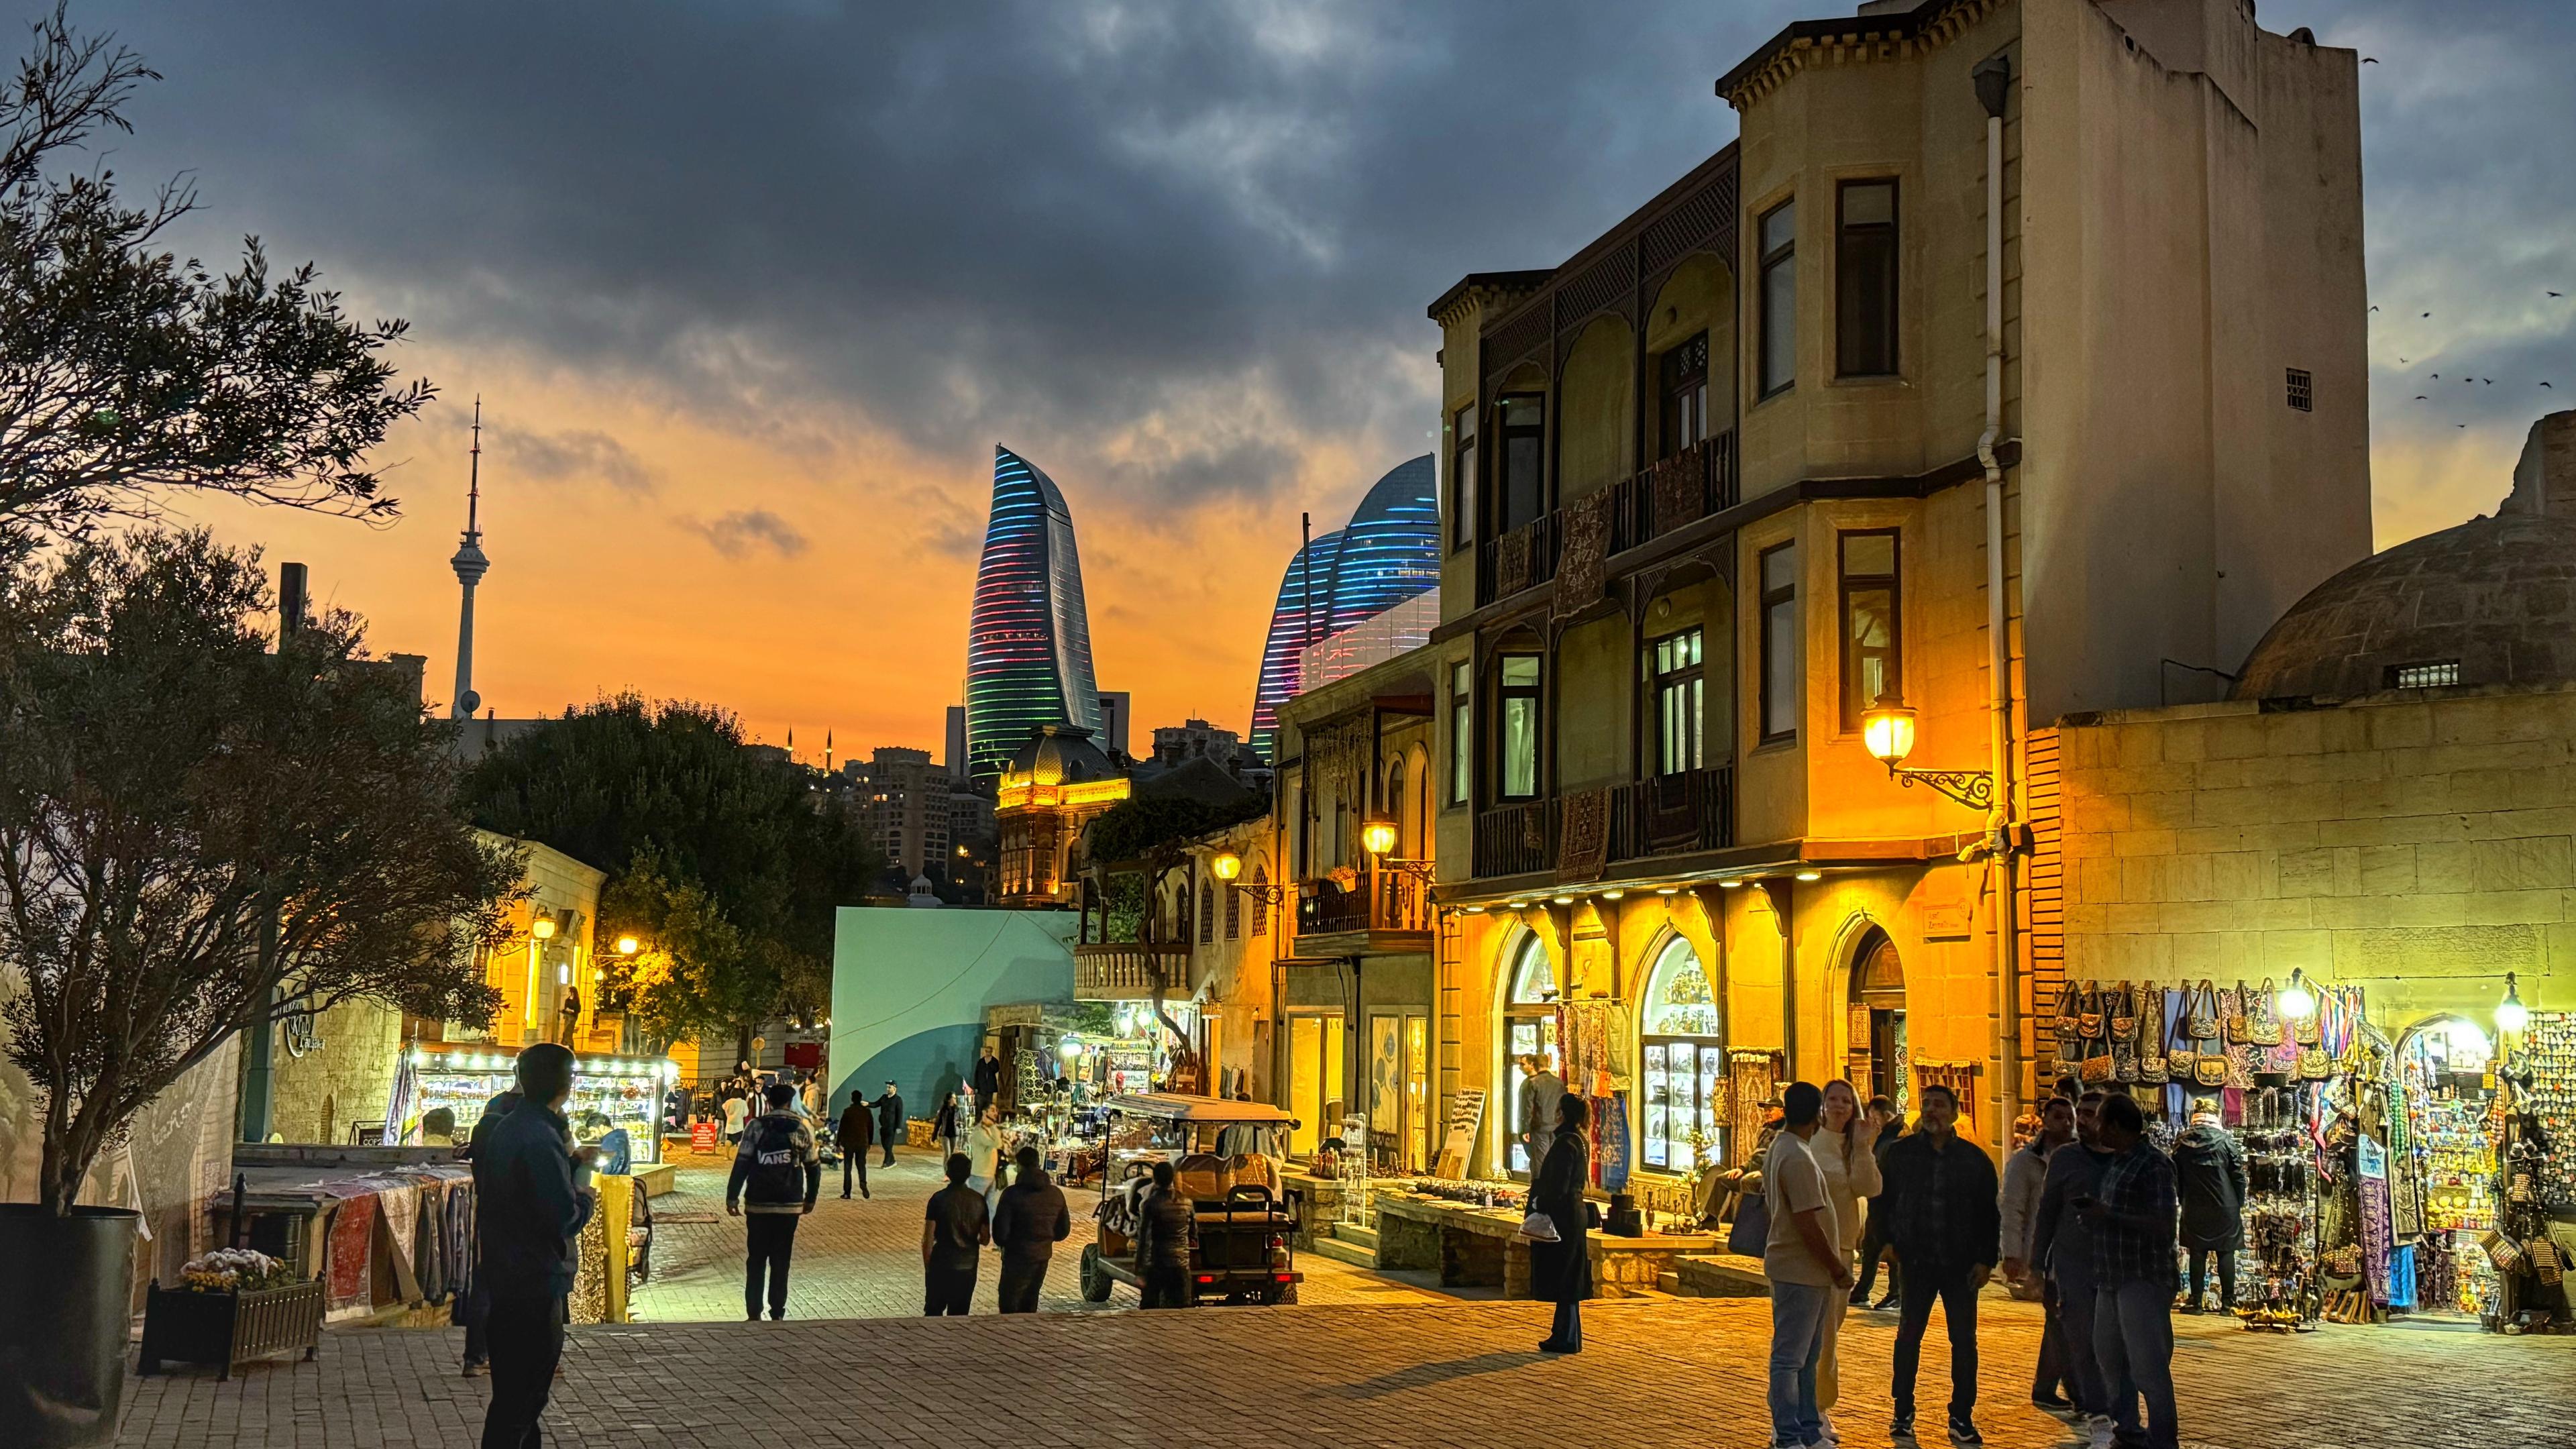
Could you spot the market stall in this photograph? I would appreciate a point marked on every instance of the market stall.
(609, 1093)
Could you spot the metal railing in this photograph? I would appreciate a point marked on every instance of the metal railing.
(1381, 900)
(1517, 839)
(1673, 814)
(1521, 559)
(1682, 489)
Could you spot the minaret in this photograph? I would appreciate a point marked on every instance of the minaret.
(469, 564)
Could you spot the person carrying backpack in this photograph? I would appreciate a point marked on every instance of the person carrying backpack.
(776, 1177)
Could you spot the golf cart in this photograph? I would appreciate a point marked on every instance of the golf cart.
(1225, 1156)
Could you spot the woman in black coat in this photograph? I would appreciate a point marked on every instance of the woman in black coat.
(1561, 1272)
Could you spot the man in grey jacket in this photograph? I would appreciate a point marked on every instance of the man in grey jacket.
(2061, 1247)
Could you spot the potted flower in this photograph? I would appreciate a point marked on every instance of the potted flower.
(232, 1305)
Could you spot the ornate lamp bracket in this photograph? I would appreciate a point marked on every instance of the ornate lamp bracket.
(1972, 788)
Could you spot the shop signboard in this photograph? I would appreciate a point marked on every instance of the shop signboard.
(1466, 1114)
(704, 1139)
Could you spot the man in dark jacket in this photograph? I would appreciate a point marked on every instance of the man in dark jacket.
(856, 1132)
(528, 1213)
(1167, 1231)
(2061, 1250)
(988, 1079)
(474, 1308)
(953, 1232)
(1028, 1222)
(889, 1122)
(2209, 1170)
(1943, 1222)
(776, 1177)
(2132, 1217)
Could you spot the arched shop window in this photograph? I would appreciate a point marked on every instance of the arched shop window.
(1529, 1027)
(1684, 1063)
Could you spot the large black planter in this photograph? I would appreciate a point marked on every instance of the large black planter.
(66, 1286)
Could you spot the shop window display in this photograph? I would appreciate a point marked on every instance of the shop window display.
(2443, 1071)
(624, 1092)
(1529, 1029)
(1685, 1065)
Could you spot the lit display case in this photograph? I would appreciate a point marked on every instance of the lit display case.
(619, 1091)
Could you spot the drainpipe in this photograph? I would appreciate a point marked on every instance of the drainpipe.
(1993, 80)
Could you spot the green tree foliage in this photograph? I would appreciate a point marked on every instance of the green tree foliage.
(198, 834)
(726, 865)
(1137, 828)
(128, 375)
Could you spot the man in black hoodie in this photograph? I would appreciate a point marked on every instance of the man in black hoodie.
(528, 1214)
(1027, 1224)
(889, 1121)
(1944, 1224)
(776, 1177)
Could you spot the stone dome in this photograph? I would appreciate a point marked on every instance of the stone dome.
(2490, 602)
(1061, 755)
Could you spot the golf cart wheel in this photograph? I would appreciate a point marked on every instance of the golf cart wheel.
(1095, 1281)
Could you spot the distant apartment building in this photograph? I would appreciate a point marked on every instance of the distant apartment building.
(906, 806)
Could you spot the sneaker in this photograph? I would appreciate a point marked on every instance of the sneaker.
(2098, 1430)
(1885, 1303)
(1827, 1434)
(2052, 1404)
(475, 1368)
(1901, 1427)
(1964, 1434)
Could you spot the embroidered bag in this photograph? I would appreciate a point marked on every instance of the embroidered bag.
(2088, 1015)
(2209, 1069)
(2123, 1009)
(2067, 1025)
(2200, 1012)
(2262, 1015)
(2308, 1030)
(2152, 1062)
(2313, 1065)
(2094, 1070)
(2231, 1010)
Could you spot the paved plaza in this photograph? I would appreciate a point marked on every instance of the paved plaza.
(1364, 1361)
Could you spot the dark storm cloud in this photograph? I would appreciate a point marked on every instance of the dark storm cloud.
(577, 453)
(1040, 221)
(1157, 245)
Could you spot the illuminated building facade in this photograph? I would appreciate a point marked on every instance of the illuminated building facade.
(1388, 553)
(1048, 790)
(1028, 643)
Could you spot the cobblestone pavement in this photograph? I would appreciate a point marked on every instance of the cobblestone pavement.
(1680, 1373)
(1363, 1361)
(862, 1258)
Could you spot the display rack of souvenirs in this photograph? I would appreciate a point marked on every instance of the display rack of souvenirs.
(2548, 1097)
(2276, 1278)
(2452, 1141)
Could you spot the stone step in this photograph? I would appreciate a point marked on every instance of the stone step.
(1342, 1252)
(1354, 1233)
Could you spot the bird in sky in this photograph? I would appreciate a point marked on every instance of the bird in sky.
(2419, 397)
(2428, 314)
(2552, 389)
(2370, 60)
(2558, 294)
(2437, 377)
(2489, 381)
(2374, 309)
(2401, 361)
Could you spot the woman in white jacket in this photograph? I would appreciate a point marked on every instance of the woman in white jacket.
(1845, 1147)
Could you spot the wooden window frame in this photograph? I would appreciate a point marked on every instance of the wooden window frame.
(1846, 584)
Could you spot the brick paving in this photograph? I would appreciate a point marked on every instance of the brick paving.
(862, 1258)
(1380, 1364)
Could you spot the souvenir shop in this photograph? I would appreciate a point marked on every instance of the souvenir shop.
(608, 1092)
(2389, 1178)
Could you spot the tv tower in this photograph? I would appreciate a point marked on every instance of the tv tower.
(470, 564)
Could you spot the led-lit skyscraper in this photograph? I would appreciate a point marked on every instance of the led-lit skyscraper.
(1028, 643)
(1386, 554)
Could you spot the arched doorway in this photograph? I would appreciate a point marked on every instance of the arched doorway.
(1529, 1029)
(1881, 1065)
(1684, 1063)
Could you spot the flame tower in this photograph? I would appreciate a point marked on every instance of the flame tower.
(1028, 642)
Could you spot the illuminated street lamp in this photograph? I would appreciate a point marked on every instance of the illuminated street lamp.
(543, 928)
(1888, 730)
(1227, 866)
(1377, 837)
(2298, 1003)
(628, 945)
(2511, 1016)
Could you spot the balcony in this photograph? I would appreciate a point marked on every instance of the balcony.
(1128, 970)
(1673, 815)
(1668, 815)
(1383, 912)
(1517, 561)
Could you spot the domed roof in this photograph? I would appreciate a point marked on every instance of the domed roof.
(1061, 755)
(2492, 601)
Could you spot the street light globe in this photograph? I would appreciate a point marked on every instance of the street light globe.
(2511, 1016)
(1227, 865)
(543, 928)
(1888, 730)
(1069, 1050)
(1378, 836)
(2297, 1002)
(628, 945)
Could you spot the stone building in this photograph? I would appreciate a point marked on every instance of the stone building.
(2389, 801)
(1968, 378)
(1047, 792)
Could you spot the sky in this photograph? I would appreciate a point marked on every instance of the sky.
(749, 290)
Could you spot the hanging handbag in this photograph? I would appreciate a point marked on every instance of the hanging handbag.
(2209, 1069)
(2123, 1010)
(2308, 1030)
(2313, 1065)
(2094, 1070)
(2152, 1062)
(2067, 1005)
(2088, 1012)
(2200, 1012)
(2263, 1015)
(2231, 1010)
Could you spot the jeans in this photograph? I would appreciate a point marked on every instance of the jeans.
(1958, 1295)
(474, 1310)
(1565, 1330)
(1873, 1246)
(854, 1159)
(2070, 1312)
(526, 1337)
(948, 1291)
(1166, 1287)
(2133, 1340)
(768, 1240)
(1798, 1314)
(2200, 1274)
(1020, 1285)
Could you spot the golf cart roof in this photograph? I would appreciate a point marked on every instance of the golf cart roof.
(1178, 1107)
